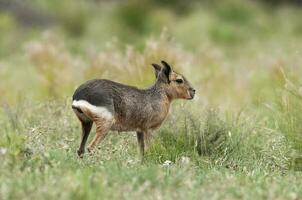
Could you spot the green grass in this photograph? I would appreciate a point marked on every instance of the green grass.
(234, 159)
(240, 138)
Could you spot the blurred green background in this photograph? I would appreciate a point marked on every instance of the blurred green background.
(226, 48)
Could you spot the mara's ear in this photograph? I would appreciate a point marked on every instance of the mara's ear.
(157, 69)
(165, 72)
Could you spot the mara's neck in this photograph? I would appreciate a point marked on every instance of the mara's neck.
(157, 96)
(158, 90)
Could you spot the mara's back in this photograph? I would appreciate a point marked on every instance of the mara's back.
(102, 92)
(124, 102)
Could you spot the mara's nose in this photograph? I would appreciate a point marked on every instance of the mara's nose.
(192, 93)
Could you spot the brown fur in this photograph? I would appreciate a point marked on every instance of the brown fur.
(178, 91)
(133, 109)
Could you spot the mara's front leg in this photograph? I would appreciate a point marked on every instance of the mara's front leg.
(141, 142)
(144, 140)
(148, 139)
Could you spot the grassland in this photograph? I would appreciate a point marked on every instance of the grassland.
(239, 139)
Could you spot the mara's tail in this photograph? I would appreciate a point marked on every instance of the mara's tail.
(77, 109)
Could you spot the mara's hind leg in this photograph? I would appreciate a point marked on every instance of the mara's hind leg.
(86, 124)
(103, 125)
(101, 116)
(86, 128)
(141, 142)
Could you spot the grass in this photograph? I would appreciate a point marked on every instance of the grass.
(240, 138)
(40, 160)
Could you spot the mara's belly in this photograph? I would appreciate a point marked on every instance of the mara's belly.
(139, 124)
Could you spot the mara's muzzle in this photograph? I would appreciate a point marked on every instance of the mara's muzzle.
(192, 92)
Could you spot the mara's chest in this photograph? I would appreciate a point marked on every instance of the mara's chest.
(158, 117)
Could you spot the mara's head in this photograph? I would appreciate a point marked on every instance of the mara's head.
(175, 84)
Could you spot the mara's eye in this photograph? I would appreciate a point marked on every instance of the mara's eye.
(179, 81)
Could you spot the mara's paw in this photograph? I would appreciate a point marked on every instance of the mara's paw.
(91, 150)
(80, 153)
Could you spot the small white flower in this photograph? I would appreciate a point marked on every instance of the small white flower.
(130, 162)
(167, 163)
(184, 160)
(64, 146)
(3, 151)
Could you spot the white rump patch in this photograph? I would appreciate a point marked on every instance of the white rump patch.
(100, 111)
